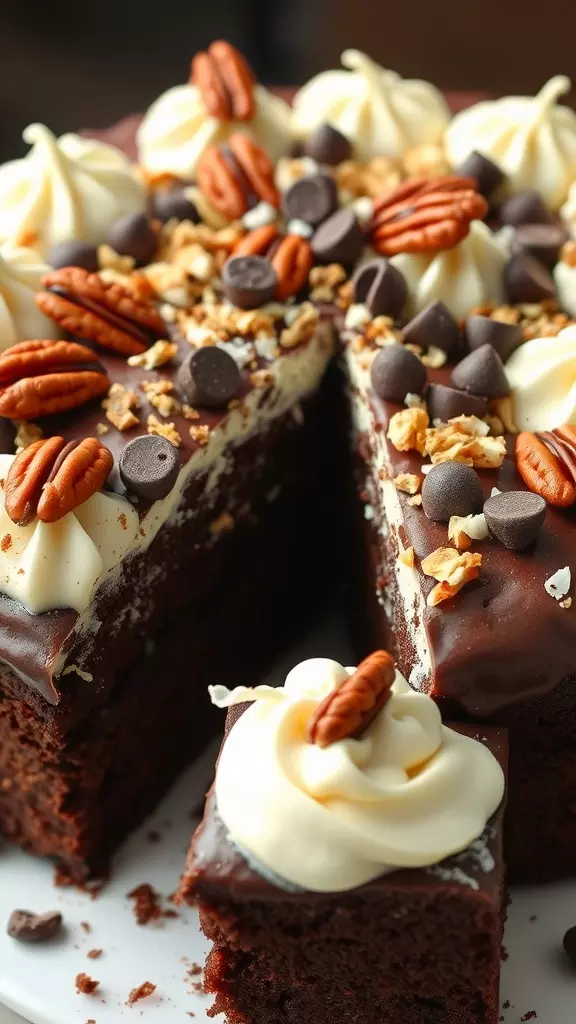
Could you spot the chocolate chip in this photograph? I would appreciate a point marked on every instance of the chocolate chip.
(481, 373)
(451, 489)
(249, 281)
(7, 435)
(504, 338)
(527, 280)
(380, 287)
(149, 466)
(396, 372)
(487, 174)
(169, 204)
(74, 254)
(311, 199)
(542, 241)
(569, 943)
(444, 403)
(134, 236)
(525, 208)
(339, 239)
(28, 927)
(327, 145)
(209, 376)
(434, 325)
(515, 517)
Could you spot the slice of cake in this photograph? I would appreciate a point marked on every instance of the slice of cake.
(349, 864)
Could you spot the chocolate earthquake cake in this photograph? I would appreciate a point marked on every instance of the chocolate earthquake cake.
(306, 923)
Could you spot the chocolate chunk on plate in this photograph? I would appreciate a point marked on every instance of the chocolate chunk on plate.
(25, 926)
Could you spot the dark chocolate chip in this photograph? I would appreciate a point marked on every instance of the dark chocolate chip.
(481, 373)
(380, 287)
(451, 489)
(74, 254)
(28, 927)
(7, 435)
(327, 145)
(527, 280)
(210, 376)
(542, 241)
(569, 943)
(311, 199)
(434, 325)
(134, 236)
(339, 239)
(396, 372)
(445, 403)
(515, 517)
(504, 338)
(525, 208)
(249, 281)
(171, 204)
(487, 174)
(149, 466)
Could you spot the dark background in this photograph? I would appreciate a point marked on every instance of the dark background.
(85, 63)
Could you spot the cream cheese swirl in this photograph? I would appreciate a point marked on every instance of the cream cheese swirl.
(407, 794)
(542, 375)
(21, 273)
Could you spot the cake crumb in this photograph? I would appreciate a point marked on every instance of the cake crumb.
(531, 1015)
(86, 926)
(94, 954)
(506, 1005)
(142, 991)
(6, 542)
(85, 985)
(147, 903)
(90, 1021)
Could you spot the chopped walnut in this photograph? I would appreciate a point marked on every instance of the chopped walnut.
(356, 179)
(464, 439)
(425, 161)
(200, 434)
(119, 405)
(172, 284)
(566, 603)
(167, 430)
(452, 569)
(189, 413)
(434, 357)
(381, 330)
(537, 319)
(416, 499)
(302, 328)
(406, 556)
(181, 235)
(109, 259)
(407, 430)
(345, 295)
(325, 281)
(158, 393)
(409, 483)
(102, 428)
(26, 433)
(158, 354)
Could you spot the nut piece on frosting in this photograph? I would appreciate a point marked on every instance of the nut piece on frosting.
(66, 188)
(181, 123)
(405, 794)
(533, 140)
(380, 113)
(21, 273)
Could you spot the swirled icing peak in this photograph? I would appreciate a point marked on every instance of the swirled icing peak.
(380, 113)
(65, 188)
(542, 375)
(533, 139)
(408, 793)
(21, 271)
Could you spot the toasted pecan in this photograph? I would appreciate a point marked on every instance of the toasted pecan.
(39, 378)
(292, 260)
(231, 177)
(542, 471)
(26, 478)
(79, 471)
(347, 711)
(425, 215)
(257, 242)
(225, 80)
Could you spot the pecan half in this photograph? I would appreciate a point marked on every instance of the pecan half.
(39, 378)
(235, 176)
(425, 215)
(347, 711)
(100, 311)
(225, 81)
(51, 478)
(257, 242)
(542, 471)
(292, 260)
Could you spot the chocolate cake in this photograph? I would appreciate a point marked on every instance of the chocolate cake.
(420, 944)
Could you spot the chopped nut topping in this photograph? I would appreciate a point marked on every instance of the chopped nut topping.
(26, 433)
(416, 499)
(409, 483)
(407, 430)
(566, 603)
(158, 393)
(325, 281)
(453, 570)
(368, 179)
(434, 357)
(200, 434)
(463, 439)
(462, 530)
(222, 524)
(302, 328)
(425, 161)
(102, 428)
(119, 405)
(167, 430)
(172, 284)
(381, 330)
(538, 319)
(189, 413)
(6, 542)
(158, 354)
(406, 556)
(109, 259)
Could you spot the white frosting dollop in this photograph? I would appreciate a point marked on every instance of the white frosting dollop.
(565, 280)
(176, 130)
(380, 113)
(568, 211)
(542, 375)
(65, 188)
(21, 271)
(533, 139)
(407, 794)
(466, 276)
(57, 565)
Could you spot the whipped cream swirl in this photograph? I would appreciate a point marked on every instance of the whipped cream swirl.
(533, 139)
(21, 272)
(65, 188)
(380, 113)
(407, 794)
(57, 565)
(468, 275)
(542, 375)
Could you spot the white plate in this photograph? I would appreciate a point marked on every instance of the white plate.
(38, 982)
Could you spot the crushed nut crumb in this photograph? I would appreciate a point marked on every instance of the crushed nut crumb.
(406, 556)
(85, 985)
(453, 569)
(409, 483)
(119, 406)
(109, 259)
(222, 524)
(158, 354)
(200, 434)
(26, 434)
(143, 991)
(407, 430)
(167, 430)
(464, 439)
